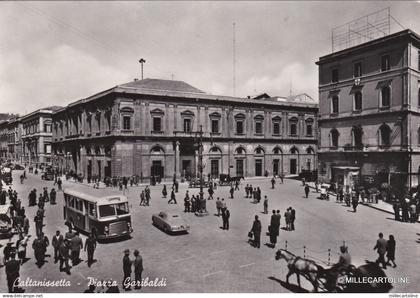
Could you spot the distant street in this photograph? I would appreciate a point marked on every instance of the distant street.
(210, 259)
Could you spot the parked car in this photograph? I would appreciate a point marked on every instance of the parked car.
(194, 183)
(47, 175)
(6, 175)
(19, 167)
(170, 222)
(5, 222)
(226, 179)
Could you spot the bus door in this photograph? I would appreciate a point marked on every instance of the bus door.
(90, 216)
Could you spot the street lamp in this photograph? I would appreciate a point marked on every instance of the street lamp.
(142, 61)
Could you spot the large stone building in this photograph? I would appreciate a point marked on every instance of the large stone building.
(150, 127)
(369, 112)
(37, 137)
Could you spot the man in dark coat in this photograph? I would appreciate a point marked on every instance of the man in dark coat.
(380, 246)
(306, 190)
(273, 229)
(127, 270)
(90, 246)
(12, 272)
(172, 198)
(64, 255)
(53, 195)
(292, 218)
(56, 242)
(225, 217)
(256, 230)
(138, 268)
(273, 181)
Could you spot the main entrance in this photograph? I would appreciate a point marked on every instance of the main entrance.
(157, 169)
(293, 166)
(214, 171)
(258, 167)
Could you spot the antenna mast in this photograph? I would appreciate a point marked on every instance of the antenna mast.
(234, 60)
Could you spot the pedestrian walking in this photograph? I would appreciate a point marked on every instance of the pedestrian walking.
(211, 192)
(39, 246)
(138, 269)
(21, 245)
(56, 242)
(53, 196)
(273, 182)
(218, 206)
(265, 205)
(173, 199)
(396, 208)
(76, 246)
(292, 218)
(225, 218)
(273, 229)
(90, 247)
(236, 185)
(64, 256)
(127, 263)
(231, 192)
(164, 191)
(223, 206)
(187, 204)
(256, 231)
(38, 224)
(287, 215)
(390, 251)
(142, 198)
(355, 203)
(59, 183)
(413, 213)
(380, 247)
(258, 194)
(12, 272)
(25, 225)
(306, 190)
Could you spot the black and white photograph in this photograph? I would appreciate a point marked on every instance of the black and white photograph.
(209, 147)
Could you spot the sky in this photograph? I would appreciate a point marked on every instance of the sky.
(54, 53)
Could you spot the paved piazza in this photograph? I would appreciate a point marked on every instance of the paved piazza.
(210, 259)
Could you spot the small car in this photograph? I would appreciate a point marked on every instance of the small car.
(194, 183)
(19, 167)
(170, 222)
(5, 222)
(47, 176)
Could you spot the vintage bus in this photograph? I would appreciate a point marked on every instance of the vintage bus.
(102, 212)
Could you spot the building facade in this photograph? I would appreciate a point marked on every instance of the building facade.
(369, 112)
(151, 128)
(37, 137)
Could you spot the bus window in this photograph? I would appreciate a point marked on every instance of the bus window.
(91, 209)
(79, 205)
(106, 210)
(71, 202)
(122, 208)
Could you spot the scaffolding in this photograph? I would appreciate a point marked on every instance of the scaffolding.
(361, 30)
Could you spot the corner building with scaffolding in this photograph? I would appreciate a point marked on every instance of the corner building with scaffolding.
(369, 113)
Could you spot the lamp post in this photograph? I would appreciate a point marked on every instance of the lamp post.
(142, 61)
(200, 160)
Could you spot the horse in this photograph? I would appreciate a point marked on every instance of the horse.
(300, 266)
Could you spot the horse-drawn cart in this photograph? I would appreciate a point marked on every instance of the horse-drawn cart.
(331, 280)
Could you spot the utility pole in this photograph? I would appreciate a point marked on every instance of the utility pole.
(142, 61)
(200, 160)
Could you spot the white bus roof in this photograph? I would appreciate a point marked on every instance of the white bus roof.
(102, 196)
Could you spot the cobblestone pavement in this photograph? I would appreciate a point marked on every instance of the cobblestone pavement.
(210, 259)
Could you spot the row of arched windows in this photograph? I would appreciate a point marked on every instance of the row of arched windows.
(241, 150)
(384, 137)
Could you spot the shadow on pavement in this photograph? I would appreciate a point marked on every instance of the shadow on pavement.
(290, 287)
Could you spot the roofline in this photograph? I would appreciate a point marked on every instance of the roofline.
(39, 111)
(387, 38)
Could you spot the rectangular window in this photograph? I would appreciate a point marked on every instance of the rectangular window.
(385, 63)
(293, 129)
(334, 75)
(258, 127)
(47, 127)
(357, 69)
(47, 148)
(215, 126)
(334, 105)
(157, 124)
(309, 130)
(187, 125)
(276, 128)
(239, 127)
(126, 122)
